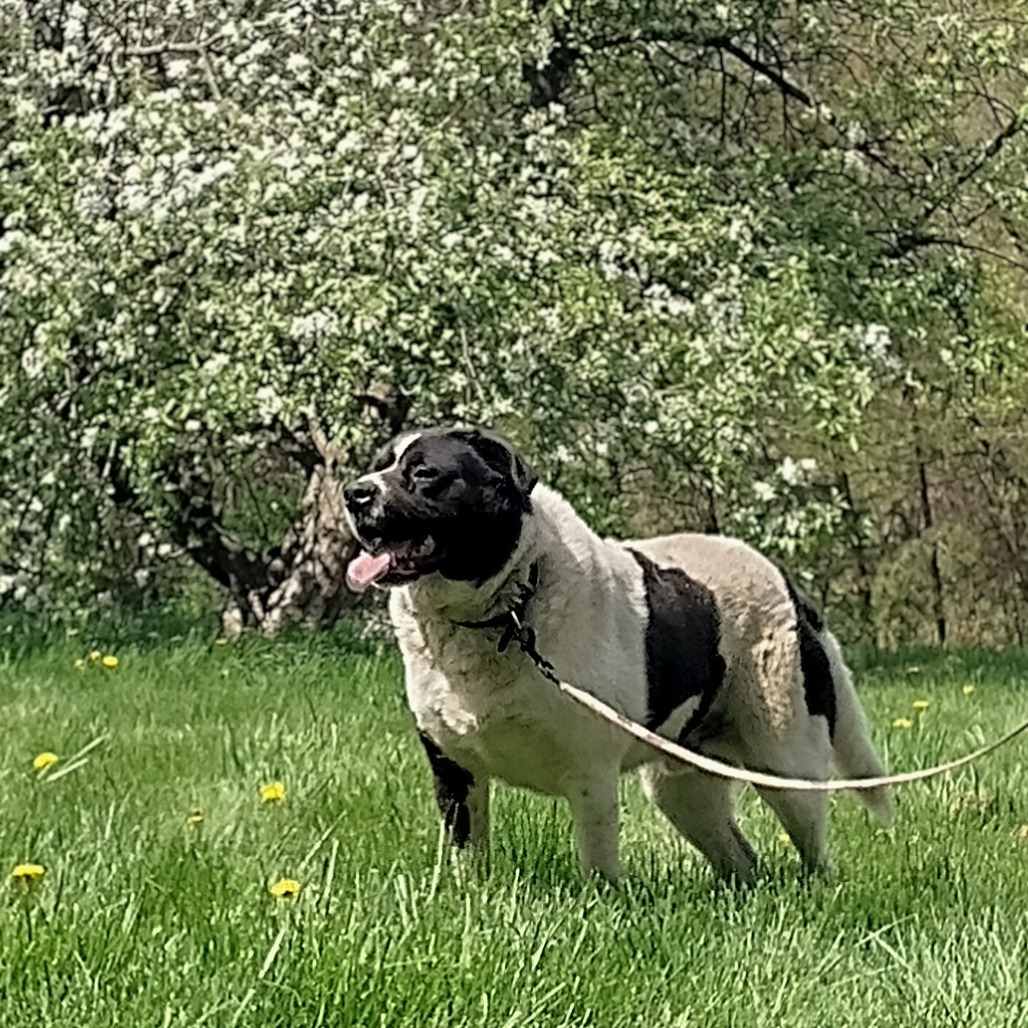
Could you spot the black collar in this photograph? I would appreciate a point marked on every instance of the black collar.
(514, 625)
(512, 620)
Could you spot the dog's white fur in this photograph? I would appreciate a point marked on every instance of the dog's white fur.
(497, 716)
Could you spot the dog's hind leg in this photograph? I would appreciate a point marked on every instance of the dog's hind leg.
(701, 808)
(805, 752)
(804, 815)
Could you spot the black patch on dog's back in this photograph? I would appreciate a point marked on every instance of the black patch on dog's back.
(683, 633)
(818, 684)
(452, 783)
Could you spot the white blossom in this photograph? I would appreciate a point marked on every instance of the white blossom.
(876, 342)
(796, 472)
(216, 362)
(9, 239)
(317, 324)
(33, 362)
(269, 402)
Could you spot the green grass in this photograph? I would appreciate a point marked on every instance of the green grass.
(141, 919)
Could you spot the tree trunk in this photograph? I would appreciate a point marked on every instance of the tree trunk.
(866, 576)
(302, 581)
(936, 572)
(305, 583)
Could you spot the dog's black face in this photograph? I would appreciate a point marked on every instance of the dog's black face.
(447, 500)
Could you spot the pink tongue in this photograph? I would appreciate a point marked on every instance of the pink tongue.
(364, 569)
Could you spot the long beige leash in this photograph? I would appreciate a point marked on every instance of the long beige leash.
(514, 629)
(722, 770)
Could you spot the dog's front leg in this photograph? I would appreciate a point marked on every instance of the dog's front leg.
(594, 808)
(463, 801)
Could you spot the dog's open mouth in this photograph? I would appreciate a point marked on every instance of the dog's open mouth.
(392, 564)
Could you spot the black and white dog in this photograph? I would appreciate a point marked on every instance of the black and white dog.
(698, 637)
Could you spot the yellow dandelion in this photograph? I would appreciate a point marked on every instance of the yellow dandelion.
(285, 888)
(45, 760)
(110, 662)
(221, 641)
(1022, 833)
(27, 873)
(273, 792)
(920, 704)
(783, 838)
(913, 670)
(967, 690)
(95, 656)
(902, 722)
(195, 818)
(79, 664)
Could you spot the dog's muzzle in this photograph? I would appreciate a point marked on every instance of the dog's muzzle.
(361, 496)
(366, 509)
(393, 550)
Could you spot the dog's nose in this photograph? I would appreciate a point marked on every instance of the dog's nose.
(360, 495)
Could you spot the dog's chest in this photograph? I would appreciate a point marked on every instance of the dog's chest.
(493, 712)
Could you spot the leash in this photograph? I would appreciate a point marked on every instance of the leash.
(768, 781)
(514, 628)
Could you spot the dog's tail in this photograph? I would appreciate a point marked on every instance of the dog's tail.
(855, 755)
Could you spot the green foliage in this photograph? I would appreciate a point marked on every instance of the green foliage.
(692, 242)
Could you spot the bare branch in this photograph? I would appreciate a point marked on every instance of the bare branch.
(908, 243)
(199, 49)
(171, 46)
(1012, 128)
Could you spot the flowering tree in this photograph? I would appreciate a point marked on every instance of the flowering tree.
(674, 249)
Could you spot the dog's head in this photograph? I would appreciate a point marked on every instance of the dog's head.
(444, 501)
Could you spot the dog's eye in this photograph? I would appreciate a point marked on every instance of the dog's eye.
(424, 474)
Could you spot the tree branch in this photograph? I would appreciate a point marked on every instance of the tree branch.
(170, 46)
(724, 45)
(908, 243)
(200, 50)
(1012, 128)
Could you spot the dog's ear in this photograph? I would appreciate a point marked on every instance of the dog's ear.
(501, 457)
(524, 473)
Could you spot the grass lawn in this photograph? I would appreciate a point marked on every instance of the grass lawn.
(147, 917)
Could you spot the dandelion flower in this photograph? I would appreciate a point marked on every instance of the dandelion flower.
(27, 873)
(42, 761)
(195, 818)
(285, 888)
(913, 670)
(79, 664)
(1022, 833)
(783, 838)
(110, 662)
(902, 722)
(920, 704)
(221, 641)
(968, 690)
(95, 656)
(273, 792)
